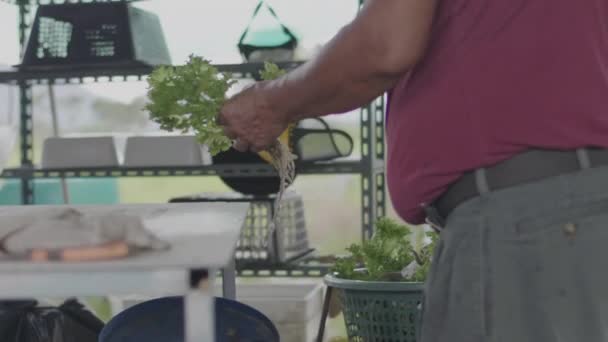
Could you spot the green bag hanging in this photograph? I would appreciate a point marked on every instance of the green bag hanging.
(266, 38)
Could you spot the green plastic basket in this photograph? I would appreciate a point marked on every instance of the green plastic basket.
(379, 311)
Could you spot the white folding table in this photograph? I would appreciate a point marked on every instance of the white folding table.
(203, 238)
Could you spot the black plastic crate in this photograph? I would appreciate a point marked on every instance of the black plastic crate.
(95, 34)
(290, 238)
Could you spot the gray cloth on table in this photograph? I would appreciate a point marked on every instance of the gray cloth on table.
(67, 227)
(526, 264)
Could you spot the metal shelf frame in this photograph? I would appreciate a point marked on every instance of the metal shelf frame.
(224, 170)
(304, 270)
(60, 2)
(370, 166)
(373, 193)
(80, 75)
(26, 110)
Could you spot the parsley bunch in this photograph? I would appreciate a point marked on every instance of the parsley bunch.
(387, 253)
(189, 97)
(271, 71)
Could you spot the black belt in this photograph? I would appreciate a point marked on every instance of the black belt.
(531, 166)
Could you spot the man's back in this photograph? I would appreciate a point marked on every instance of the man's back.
(499, 77)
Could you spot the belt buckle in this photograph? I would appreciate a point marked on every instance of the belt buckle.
(433, 218)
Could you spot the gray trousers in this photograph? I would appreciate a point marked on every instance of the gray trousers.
(526, 264)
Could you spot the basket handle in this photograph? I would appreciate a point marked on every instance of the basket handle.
(299, 133)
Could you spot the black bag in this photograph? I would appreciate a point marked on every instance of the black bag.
(25, 321)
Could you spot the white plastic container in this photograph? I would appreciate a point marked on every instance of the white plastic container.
(148, 151)
(9, 126)
(8, 137)
(293, 305)
(83, 152)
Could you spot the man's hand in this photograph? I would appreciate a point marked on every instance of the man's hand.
(252, 119)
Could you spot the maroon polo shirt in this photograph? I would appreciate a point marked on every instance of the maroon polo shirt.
(499, 77)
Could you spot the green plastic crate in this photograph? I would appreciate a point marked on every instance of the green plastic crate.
(379, 311)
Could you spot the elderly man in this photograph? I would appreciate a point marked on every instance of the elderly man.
(496, 129)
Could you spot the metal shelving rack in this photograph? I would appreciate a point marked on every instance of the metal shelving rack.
(370, 166)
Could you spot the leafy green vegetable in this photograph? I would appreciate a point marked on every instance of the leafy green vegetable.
(190, 96)
(425, 255)
(271, 71)
(384, 256)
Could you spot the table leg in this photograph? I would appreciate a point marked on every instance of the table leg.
(199, 306)
(229, 281)
(326, 303)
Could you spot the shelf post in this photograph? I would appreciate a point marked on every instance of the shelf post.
(25, 108)
(378, 165)
(26, 139)
(373, 194)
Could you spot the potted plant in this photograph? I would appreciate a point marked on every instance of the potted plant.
(380, 284)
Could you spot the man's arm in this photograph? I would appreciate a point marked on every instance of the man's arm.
(365, 59)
